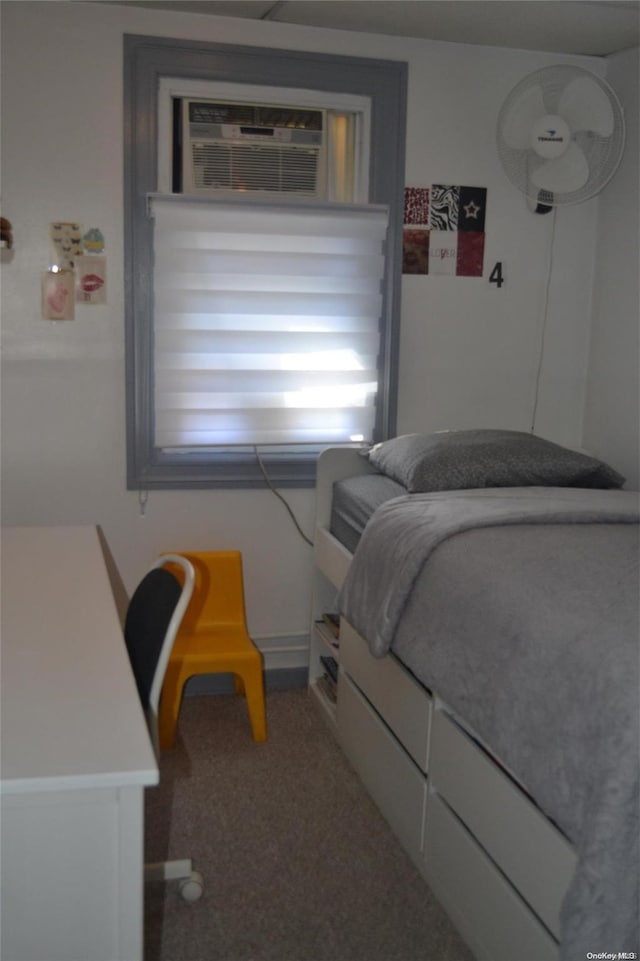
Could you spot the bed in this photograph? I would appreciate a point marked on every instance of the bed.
(488, 678)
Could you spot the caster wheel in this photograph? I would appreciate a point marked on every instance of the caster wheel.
(191, 888)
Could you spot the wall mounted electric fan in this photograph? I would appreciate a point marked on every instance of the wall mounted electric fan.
(560, 136)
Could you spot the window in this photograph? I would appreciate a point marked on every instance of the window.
(266, 321)
(205, 384)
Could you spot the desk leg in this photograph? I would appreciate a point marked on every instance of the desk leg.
(131, 871)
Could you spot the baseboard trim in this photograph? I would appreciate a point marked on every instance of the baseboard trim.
(286, 666)
(276, 679)
(281, 651)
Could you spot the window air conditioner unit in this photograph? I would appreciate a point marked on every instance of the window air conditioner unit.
(253, 148)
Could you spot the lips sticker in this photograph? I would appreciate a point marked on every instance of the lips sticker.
(91, 286)
(91, 282)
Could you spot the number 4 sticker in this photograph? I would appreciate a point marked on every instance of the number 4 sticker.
(496, 276)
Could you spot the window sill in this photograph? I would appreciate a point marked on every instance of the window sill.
(225, 469)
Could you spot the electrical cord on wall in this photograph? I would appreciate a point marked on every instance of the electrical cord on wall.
(544, 321)
(280, 497)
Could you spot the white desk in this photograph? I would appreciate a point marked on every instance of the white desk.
(75, 758)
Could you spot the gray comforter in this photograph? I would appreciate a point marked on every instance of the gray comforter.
(519, 608)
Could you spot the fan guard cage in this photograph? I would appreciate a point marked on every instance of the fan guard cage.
(603, 154)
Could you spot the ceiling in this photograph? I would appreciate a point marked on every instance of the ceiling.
(590, 27)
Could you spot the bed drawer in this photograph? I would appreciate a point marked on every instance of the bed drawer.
(392, 779)
(525, 845)
(489, 914)
(403, 703)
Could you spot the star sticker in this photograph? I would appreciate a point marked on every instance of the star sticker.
(471, 210)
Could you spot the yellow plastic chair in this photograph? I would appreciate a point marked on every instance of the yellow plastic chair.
(213, 639)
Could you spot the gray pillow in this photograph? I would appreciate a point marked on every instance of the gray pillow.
(460, 459)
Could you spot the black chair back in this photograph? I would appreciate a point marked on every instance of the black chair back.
(148, 617)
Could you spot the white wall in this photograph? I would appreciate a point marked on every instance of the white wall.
(469, 352)
(613, 397)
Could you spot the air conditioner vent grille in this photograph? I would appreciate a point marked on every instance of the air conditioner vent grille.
(276, 168)
(253, 149)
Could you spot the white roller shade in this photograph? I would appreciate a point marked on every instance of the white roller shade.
(266, 321)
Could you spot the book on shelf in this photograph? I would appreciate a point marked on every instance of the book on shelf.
(328, 688)
(328, 636)
(331, 667)
(333, 623)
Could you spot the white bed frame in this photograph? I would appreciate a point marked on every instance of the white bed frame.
(499, 867)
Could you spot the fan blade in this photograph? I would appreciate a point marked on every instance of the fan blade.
(586, 106)
(520, 118)
(566, 173)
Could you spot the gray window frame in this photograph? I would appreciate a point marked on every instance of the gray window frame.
(146, 61)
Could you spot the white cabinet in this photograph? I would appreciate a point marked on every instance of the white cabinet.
(396, 785)
(522, 842)
(484, 906)
(72, 875)
(76, 756)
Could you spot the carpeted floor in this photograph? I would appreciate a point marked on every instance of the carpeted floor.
(298, 863)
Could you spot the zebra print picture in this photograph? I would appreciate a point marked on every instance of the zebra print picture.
(445, 202)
